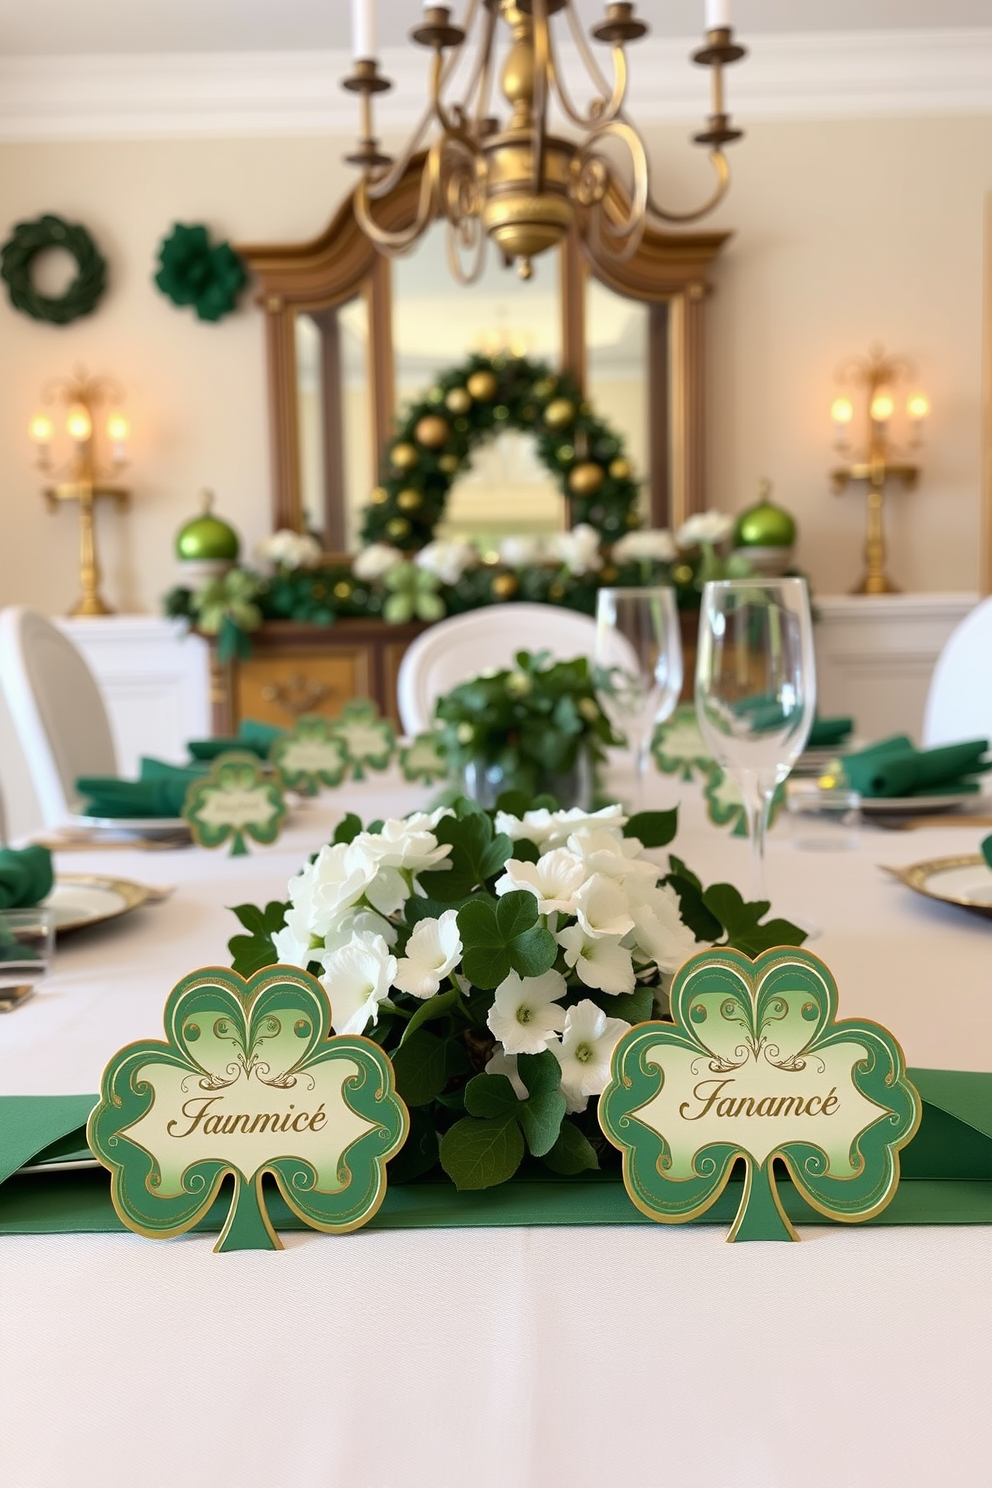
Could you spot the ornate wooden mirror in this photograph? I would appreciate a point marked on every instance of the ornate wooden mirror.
(631, 333)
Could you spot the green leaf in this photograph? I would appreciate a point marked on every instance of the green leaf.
(424, 1064)
(476, 855)
(572, 1153)
(420, 1150)
(261, 921)
(490, 1095)
(741, 920)
(541, 1073)
(653, 828)
(681, 870)
(479, 1154)
(987, 849)
(250, 953)
(541, 1117)
(348, 829)
(440, 1003)
(633, 1007)
(701, 921)
(500, 935)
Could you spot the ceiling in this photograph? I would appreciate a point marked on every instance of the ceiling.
(66, 27)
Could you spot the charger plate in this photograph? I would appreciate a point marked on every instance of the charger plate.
(965, 881)
(80, 899)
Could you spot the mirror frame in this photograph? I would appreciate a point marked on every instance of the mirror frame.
(669, 271)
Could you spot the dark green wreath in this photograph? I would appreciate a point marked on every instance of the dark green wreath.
(17, 256)
(469, 404)
(194, 271)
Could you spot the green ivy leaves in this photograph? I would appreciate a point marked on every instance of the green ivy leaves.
(487, 1146)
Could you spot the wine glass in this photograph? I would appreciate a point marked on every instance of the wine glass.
(756, 690)
(637, 665)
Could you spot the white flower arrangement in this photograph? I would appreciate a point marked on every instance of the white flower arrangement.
(709, 528)
(652, 545)
(498, 958)
(290, 550)
(578, 550)
(375, 561)
(448, 561)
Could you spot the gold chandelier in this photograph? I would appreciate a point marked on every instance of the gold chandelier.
(511, 180)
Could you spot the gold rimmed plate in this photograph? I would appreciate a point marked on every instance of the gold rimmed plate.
(81, 899)
(965, 881)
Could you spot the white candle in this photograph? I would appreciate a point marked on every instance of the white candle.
(363, 38)
(718, 15)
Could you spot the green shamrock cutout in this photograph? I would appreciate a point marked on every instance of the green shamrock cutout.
(413, 594)
(233, 802)
(678, 746)
(247, 1083)
(724, 806)
(756, 1067)
(424, 759)
(310, 756)
(369, 740)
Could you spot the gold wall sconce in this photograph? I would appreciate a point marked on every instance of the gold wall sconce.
(876, 378)
(82, 478)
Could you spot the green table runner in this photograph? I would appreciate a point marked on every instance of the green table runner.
(946, 1177)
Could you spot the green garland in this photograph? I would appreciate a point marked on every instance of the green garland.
(468, 405)
(17, 257)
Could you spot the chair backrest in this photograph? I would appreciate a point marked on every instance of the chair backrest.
(57, 710)
(465, 645)
(959, 702)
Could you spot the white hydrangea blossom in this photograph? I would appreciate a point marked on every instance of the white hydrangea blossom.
(578, 549)
(653, 545)
(521, 552)
(710, 527)
(289, 549)
(447, 561)
(375, 561)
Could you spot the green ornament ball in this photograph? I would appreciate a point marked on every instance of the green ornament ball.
(207, 538)
(765, 526)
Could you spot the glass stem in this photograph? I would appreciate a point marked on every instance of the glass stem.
(757, 809)
(641, 757)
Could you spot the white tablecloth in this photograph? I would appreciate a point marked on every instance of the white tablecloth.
(517, 1358)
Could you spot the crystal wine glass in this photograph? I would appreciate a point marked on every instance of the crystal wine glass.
(756, 690)
(637, 666)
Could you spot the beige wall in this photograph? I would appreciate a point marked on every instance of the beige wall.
(845, 232)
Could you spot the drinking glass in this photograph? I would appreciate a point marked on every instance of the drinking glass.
(637, 665)
(27, 939)
(756, 690)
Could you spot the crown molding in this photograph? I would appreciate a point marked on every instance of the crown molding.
(141, 96)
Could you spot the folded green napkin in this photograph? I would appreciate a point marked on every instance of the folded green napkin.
(894, 767)
(160, 791)
(827, 731)
(252, 735)
(25, 876)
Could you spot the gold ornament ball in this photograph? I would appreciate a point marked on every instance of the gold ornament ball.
(545, 387)
(342, 590)
(556, 591)
(632, 520)
(586, 479)
(620, 468)
(408, 500)
(448, 463)
(398, 527)
(504, 586)
(403, 456)
(379, 495)
(609, 573)
(432, 431)
(559, 412)
(459, 400)
(483, 385)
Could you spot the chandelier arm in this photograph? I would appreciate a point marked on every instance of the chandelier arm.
(396, 241)
(586, 52)
(623, 231)
(539, 102)
(484, 71)
(455, 265)
(610, 98)
(719, 163)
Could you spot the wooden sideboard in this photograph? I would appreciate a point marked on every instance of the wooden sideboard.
(296, 669)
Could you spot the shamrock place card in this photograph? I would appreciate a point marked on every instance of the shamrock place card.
(756, 1067)
(248, 1083)
(311, 755)
(236, 800)
(368, 739)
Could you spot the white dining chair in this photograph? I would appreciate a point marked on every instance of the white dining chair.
(56, 708)
(465, 645)
(959, 701)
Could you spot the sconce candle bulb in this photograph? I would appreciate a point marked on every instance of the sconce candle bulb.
(79, 425)
(41, 429)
